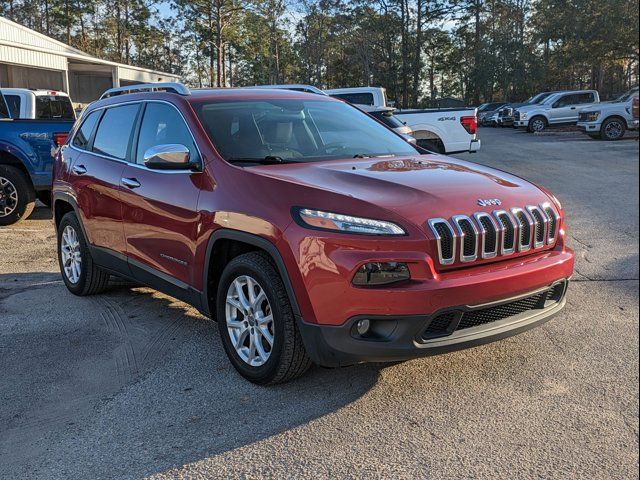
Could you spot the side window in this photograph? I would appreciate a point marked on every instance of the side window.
(83, 135)
(356, 98)
(112, 137)
(161, 125)
(564, 101)
(586, 98)
(13, 102)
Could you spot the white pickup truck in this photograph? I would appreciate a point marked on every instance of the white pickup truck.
(445, 130)
(609, 120)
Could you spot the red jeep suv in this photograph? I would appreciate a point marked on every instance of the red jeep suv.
(309, 230)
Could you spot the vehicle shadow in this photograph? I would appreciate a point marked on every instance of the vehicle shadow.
(133, 382)
(41, 212)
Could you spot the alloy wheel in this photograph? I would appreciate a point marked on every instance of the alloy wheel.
(249, 320)
(71, 255)
(537, 125)
(8, 197)
(614, 130)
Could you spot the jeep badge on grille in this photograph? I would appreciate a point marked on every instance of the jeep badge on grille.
(489, 201)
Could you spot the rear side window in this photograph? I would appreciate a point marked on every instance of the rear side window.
(54, 107)
(585, 98)
(357, 98)
(162, 125)
(114, 131)
(83, 135)
(13, 102)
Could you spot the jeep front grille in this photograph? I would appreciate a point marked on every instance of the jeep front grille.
(500, 233)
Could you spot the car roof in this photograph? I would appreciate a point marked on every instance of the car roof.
(33, 91)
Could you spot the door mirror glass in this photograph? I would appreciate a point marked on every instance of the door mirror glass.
(171, 156)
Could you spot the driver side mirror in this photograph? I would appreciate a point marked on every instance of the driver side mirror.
(172, 156)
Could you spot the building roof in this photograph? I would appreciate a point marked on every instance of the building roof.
(22, 46)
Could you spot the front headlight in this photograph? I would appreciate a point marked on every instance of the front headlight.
(523, 115)
(345, 223)
(592, 116)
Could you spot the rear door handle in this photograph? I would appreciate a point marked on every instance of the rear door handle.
(130, 182)
(79, 169)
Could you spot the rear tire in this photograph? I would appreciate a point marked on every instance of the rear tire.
(612, 129)
(432, 144)
(17, 196)
(81, 276)
(246, 327)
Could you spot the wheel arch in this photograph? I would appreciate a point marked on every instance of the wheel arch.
(226, 244)
(12, 160)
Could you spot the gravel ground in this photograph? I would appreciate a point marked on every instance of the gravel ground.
(134, 384)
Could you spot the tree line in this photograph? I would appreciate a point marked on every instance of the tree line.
(419, 50)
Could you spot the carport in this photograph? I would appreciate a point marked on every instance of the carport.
(29, 59)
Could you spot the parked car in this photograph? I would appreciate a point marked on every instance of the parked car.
(560, 108)
(386, 116)
(490, 119)
(310, 231)
(506, 112)
(33, 123)
(635, 110)
(486, 111)
(609, 120)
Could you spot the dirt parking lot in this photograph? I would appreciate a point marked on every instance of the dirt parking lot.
(133, 383)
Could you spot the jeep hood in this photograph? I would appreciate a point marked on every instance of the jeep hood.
(416, 188)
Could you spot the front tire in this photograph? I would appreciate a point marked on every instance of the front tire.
(17, 196)
(537, 124)
(79, 273)
(612, 129)
(256, 322)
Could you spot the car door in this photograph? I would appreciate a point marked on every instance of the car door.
(97, 161)
(561, 109)
(160, 206)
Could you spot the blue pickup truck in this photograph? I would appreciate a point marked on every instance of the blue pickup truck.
(33, 123)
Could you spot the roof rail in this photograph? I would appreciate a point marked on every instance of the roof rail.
(172, 87)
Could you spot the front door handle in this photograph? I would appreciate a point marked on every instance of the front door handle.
(130, 182)
(79, 169)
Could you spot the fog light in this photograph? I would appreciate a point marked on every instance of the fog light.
(363, 326)
(381, 273)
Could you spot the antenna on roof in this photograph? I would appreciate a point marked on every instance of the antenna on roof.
(171, 87)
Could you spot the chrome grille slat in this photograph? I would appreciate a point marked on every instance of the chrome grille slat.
(468, 234)
(489, 234)
(446, 255)
(486, 235)
(509, 232)
(540, 222)
(525, 229)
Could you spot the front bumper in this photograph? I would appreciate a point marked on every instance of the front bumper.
(521, 123)
(396, 338)
(588, 127)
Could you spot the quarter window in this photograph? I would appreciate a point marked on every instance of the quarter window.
(114, 131)
(81, 140)
(162, 125)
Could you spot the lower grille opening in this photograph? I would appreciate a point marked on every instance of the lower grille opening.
(445, 323)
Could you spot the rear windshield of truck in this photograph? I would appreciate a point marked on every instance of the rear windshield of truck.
(54, 107)
(295, 131)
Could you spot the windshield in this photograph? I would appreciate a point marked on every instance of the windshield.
(295, 131)
(626, 96)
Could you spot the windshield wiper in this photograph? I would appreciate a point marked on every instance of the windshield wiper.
(268, 160)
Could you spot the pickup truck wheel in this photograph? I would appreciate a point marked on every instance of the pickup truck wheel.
(612, 129)
(79, 273)
(537, 124)
(17, 197)
(256, 322)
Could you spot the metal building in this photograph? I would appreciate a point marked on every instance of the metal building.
(29, 59)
